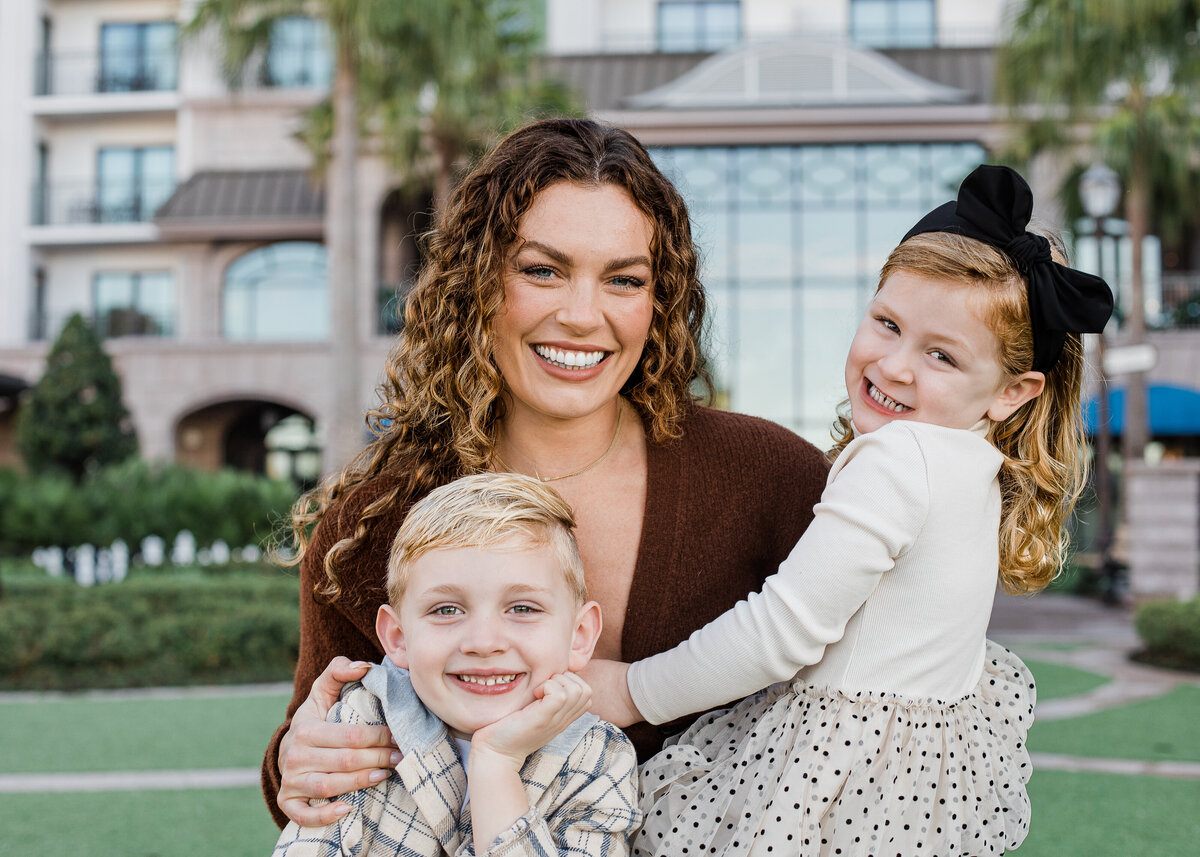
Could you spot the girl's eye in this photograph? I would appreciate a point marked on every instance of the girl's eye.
(938, 354)
(888, 323)
(446, 610)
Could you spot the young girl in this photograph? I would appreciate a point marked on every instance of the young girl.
(897, 728)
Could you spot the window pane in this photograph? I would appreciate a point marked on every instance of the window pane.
(299, 53)
(159, 56)
(277, 293)
(156, 300)
(677, 27)
(914, 24)
(118, 57)
(116, 178)
(720, 25)
(157, 178)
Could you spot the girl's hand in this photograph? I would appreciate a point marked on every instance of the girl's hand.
(323, 760)
(610, 698)
(558, 703)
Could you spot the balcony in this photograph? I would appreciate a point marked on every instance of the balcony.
(110, 324)
(92, 83)
(82, 213)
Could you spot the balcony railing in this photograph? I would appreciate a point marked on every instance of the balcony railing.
(104, 72)
(1180, 299)
(109, 324)
(80, 203)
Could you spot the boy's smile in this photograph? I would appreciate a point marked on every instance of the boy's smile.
(480, 629)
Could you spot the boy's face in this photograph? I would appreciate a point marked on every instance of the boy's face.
(479, 629)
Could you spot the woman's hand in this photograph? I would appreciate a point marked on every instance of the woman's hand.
(610, 692)
(323, 760)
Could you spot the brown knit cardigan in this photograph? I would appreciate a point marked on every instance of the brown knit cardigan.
(725, 503)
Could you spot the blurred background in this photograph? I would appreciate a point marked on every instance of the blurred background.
(209, 220)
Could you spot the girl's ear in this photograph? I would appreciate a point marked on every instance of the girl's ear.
(1022, 389)
(585, 635)
(391, 635)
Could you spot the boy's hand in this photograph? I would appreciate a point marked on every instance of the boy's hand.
(613, 701)
(561, 700)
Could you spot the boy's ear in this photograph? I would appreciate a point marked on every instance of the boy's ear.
(1022, 389)
(391, 635)
(583, 640)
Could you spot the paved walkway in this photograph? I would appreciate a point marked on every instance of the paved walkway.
(1057, 628)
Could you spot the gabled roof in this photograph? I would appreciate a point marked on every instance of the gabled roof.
(796, 73)
(243, 204)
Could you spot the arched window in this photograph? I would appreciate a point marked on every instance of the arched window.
(277, 293)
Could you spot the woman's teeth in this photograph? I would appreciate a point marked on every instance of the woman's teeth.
(569, 359)
(888, 402)
(488, 680)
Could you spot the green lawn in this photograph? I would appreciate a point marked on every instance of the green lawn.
(1164, 728)
(229, 822)
(1055, 680)
(1109, 815)
(137, 734)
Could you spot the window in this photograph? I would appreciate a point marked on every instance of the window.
(131, 183)
(137, 57)
(698, 26)
(893, 23)
(134, 303)
(298, 54)
(793, 240)
(277, 293)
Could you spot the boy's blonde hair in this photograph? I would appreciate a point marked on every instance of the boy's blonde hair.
(487, 510)
(1044, 469)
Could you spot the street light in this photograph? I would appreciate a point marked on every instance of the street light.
(1100, 191)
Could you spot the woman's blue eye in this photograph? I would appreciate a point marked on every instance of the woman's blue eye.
(628, 282)
(540, 272)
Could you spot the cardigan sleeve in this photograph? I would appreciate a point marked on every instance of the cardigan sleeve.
(871, 512)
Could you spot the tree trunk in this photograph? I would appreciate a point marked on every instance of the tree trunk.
(1137, 209)
(344, 435)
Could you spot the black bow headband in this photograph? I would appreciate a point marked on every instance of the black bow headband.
(994, 205)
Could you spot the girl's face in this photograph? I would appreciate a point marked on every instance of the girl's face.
(922, 353)
(578, 301)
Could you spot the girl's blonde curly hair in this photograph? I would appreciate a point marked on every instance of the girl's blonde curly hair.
(1044, 469)
(441, 400)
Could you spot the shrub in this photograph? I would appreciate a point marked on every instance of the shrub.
(1171, 633)
(149, 630)
(74, 420)
(133, 500)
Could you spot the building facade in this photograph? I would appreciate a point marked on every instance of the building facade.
(178, 214)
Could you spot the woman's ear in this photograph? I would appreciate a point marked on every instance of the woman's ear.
(1022, 389)
(583, 639)
(391, 635)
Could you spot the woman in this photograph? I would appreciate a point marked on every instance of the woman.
(554, 331)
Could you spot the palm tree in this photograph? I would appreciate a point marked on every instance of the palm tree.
(1128, 72)
(430, 80)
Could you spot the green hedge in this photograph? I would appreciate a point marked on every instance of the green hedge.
(133, 500)
(1171, 632)
(176, 629)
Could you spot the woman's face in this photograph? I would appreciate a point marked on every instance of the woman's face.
(578, 301)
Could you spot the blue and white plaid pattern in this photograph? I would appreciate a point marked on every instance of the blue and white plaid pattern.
(582, 788)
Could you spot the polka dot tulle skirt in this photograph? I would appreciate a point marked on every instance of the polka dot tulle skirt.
(800, 770)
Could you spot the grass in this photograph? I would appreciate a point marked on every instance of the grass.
(229, 822)
(1055, 680)
(1110, 815)
(99, 734)
(1159, 729)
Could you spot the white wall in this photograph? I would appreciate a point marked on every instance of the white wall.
(76, 26)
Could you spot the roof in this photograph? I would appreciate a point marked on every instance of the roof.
(239, 204)
(608, 81)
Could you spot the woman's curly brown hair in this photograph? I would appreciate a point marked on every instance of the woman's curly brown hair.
(441, 400)
(1044, 470)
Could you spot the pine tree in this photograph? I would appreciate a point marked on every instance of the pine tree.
(74, 419)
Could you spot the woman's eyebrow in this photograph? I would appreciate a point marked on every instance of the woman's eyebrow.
(557, 255)
(628, 262)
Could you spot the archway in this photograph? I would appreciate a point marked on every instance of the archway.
(255, 435)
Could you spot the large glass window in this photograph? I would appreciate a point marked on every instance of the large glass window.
(277, 293)
(893, 23)
(135, 57)
(698, 25)
(792, 239)
(132, 182)
(134, 303)
(298, 53)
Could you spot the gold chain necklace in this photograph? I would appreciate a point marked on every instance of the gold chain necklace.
(612, 443)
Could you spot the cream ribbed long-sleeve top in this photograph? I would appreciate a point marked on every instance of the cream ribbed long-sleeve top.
(889, 590)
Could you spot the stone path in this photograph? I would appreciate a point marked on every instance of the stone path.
(1056, 628)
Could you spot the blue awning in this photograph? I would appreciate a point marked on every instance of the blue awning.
(1174, 411)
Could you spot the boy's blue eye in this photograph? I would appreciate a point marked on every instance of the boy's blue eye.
(524, 609)
(446, 610)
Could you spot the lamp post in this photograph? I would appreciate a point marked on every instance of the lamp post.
(1099, 191)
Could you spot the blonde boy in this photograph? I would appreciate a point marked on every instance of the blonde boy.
(487, 624)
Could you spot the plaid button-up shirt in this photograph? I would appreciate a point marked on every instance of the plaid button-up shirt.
(582, 789)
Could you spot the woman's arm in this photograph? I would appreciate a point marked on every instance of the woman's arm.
(869, 514)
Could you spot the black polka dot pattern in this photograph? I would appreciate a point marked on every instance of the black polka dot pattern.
(801, 770)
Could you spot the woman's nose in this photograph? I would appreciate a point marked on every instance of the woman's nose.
(580, 310)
